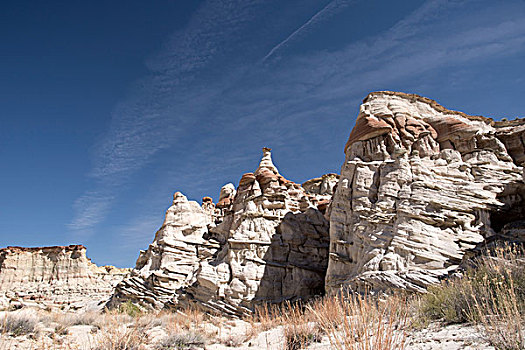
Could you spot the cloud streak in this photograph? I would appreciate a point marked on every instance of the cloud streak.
(209, 104)
(327, 11)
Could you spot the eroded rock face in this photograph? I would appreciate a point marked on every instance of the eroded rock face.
(173, 259)
(55, 277)
(421, 186)
(265, 241)
(274, 247)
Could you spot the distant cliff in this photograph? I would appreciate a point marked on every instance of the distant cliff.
(54, 277)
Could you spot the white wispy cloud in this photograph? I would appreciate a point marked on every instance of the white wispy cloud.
(279, 104)
(155, 113)
(93, 207)
(322, 15)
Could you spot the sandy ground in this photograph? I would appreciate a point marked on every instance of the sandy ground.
(220, 335)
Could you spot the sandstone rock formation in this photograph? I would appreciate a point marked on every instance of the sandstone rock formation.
(54, 277)
(265, 241)
(420, 187)
(274, 246)
(173, 258)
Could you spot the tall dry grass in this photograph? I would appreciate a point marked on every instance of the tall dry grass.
(300, 326)
(356, 322)
(490, 294)
(347, 322)
(500, 309)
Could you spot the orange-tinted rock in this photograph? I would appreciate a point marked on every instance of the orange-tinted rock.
(265, 176)
(247, 179)
(366, 127)
(224, 203)
(323, 204)
(450, 125)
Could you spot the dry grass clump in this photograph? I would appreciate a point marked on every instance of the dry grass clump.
(121, 337)
(185, 340)
(265, 317)
(491, 294)
(363, 322)
(349, 322)
(500, 308)
(19, 323)
(300, 328)
(64, 321)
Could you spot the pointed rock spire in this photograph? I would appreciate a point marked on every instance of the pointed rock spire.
(266, 162)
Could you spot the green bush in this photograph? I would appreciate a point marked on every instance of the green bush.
(130, 309)
(452, 300)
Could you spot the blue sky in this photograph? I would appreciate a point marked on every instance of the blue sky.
(107, 108)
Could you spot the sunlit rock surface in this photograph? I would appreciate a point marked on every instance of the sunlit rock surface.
(54, 277)
(174, 257)
(274, 245)
(421, 186)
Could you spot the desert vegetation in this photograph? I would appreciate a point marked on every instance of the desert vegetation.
(489, 295)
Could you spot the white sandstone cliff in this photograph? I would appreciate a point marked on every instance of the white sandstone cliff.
(55, 277)
(421, 186)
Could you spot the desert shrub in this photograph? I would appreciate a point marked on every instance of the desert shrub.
(148, 321)
(485, 282)
(448, 302)
(122, 338)
(130, 309)
(64, 321)
(500, 309)
(20, 323)
(184, 340)
(234, 341)
(491, 294)
(186, 319)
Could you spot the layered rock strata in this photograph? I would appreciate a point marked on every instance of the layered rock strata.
(172, 260)
(265, 241)
(55, 277)
(420, 187)
(274, 246)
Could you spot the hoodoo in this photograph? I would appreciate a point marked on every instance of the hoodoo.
(274, 246)
(421, 186)
(267, 241)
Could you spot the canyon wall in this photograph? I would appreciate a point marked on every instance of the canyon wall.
(420, 187)
(54, 277)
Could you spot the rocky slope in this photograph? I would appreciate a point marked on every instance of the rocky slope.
(421, 186)
(54, 277)
(265, 241)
